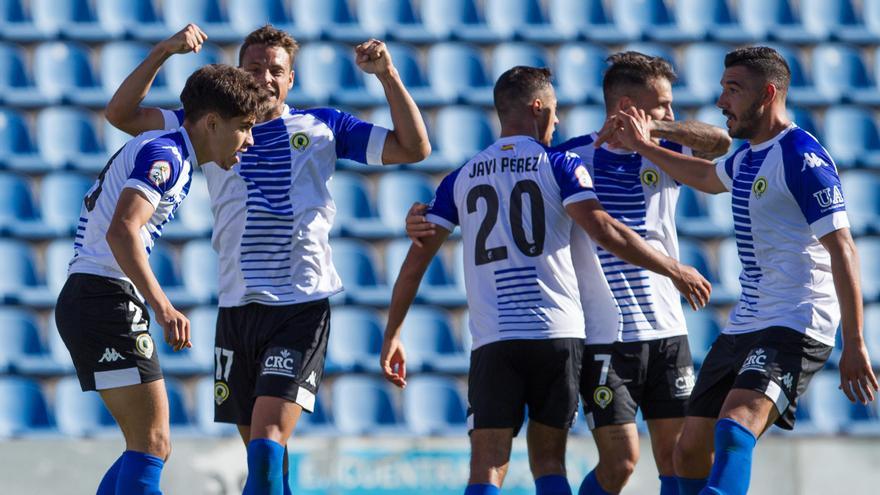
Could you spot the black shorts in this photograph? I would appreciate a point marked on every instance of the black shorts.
(275, 351)
(509, 375)
(617, 379)
(104, 325)
(777, 361)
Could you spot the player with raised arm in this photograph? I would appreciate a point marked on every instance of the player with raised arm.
(100, 314)
(515, 202)
(272, 218)
(800, 274)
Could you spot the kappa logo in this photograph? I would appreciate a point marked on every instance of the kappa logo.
(829, 197)
(312, 379)
(110, 356)
(787, 380)
(280, 361)
(755, 361)
(160, 172)
(812, 160)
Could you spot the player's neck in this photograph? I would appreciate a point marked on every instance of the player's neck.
(199, 142)
(770, 127)
(527, 129)
(272, 114)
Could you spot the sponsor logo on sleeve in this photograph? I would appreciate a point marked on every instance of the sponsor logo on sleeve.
(583, 177)
(828, 198)
(160, 172)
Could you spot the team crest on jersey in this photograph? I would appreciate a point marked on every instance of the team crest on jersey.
(603, 396)
(300, 141)
(759, 187)
(144, 345)
(650, 177)
(583, 177)
(160, 172)
(221, 392)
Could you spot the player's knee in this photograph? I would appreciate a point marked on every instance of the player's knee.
(615, 475)
(687, 454)
(159, 443)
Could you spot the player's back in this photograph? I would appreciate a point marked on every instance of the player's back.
(509, 201)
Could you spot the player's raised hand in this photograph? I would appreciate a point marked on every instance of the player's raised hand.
(393, 361)
(693, 286)
(189, 39)
(175, 326)
(373, 57)
(607, 134)
(417, 226)
(634, 128)
(857, 379)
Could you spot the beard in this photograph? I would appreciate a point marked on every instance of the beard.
(746, 125)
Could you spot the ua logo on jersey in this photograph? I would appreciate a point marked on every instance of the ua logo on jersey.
(813, 160)
(829, 197)
(110, 356)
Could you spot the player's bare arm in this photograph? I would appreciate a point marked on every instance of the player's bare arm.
(622, 242)
(408, 142)
(124, 110)
(857, 379)
(417, 224)
(707, 141)
(133, 210)
(393, 358)
(633, 130)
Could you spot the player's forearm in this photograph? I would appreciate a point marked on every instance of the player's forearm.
(123, 110)
(409, 127)
(402, 297)
(845, 270)
(695, 172)
(124, 242)
(706, 140)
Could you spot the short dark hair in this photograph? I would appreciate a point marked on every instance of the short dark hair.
(226, 90)
(764, 62)
(633, 69)
(518, 86)
(269, 35)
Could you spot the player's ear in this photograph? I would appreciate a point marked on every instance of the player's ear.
(624, 103)
(290, 82)
(211, 121)
(537, 107)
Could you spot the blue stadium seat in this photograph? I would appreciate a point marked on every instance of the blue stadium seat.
(61, 198)
(355, 340)
(862, 192)
(804, 119)
(445, 18)
(434, 405)
(578, 73)
(506, 19)
(114, 139)
(456, 70)
(204, 411)
(830, 412)
(57, 260)
(702, 70)
(131, 19)
(699, 20)
(703, 329)
(326, 73)
(693, 217)
(62, 70)
(869, 258)
(21, 348)
(581, 120)
(194, 217)
(397, 192)
(871, 20)
(81, 414)
(577, 19)
(16, 85)
(18, 276)
(840, 74)
(801, 90)
(461, 132)
(355, 262)
(639, 19)
(318, 422)
(198, 266)
(355, 214)
(406, 60)
(362, 405)
(872, 333)
(693, 254)
(327, 19)
(23, 410)
(392, 19)
(66, 138)
(851, 136)
(729, 267)
(194, 361)
(247, 15)
(169, 276)
(508, 55)
(119, 59)
(206, 14)
(72, 19)
(430, 344)
(18, 214)
(766, 20)
(437, 287)
(177, 410)
(15, 23)
(179, 67)
(830, 19)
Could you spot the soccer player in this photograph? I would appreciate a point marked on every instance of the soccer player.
(515, 202)
(638, 358)
(800, 274)
(272, 218)
(101, 312)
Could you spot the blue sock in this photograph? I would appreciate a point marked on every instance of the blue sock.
(482, 489)
(265, 466)
(552, 484)
(139, 474)
(690, 486)
(668, 485)
(108, 482)
(591, 486)
(732, 469)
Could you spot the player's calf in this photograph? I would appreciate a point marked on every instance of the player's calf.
(547, 458)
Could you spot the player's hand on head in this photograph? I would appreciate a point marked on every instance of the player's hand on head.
(417, 226)
(608, 133)
(393, 361)
(373, 57)
(692, 285)
(634, 128)
(176, 327)
(857, 379)
(189, 39)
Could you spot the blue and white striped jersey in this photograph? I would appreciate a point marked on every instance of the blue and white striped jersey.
(158, 164)
(642, 305)
(510, 202)
(273, 213)
(786, 195)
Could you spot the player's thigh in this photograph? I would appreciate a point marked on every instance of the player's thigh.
(546, 446)
(142, 413)
(274, 418)
(664, 436)
(604, 386)
(490, 454)
(617, 444)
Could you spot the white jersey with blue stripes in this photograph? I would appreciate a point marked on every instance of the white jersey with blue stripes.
(273, 213)
(623, 302)
(510, 203)
(786, 195)
(159, 165)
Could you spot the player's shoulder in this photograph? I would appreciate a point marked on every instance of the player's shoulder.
(575, 143)
(331, 117)
(801, 149)
(161, 145)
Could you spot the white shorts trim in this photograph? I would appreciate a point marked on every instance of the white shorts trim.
(117, 378)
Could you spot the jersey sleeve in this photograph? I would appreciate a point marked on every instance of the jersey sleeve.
(156, 169)
(442, 210)
(724, 167)
(173, 118)
(355, 139)
(812, 179)
(573, 178)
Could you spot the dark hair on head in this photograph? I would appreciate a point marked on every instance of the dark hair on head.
(519, 86)
(764, 62)
(226, 90)
(633, 69)
(269, 35)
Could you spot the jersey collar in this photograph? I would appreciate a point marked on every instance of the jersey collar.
(191, 152)
(774, 140)
(616, 151)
